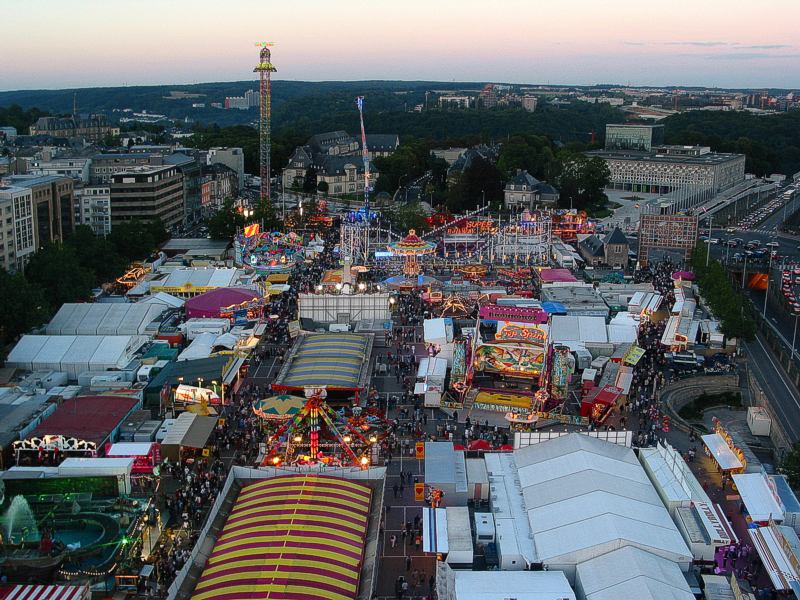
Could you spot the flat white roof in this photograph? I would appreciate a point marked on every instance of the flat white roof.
(520, 585)
(721, 452)
(432, 367)
(758, 498)
(130, 449)
(570, 328)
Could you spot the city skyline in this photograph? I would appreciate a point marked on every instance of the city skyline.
(88, 43)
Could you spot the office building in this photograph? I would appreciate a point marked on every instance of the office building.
(669, 168)
(455, 101)
(529, 103)
(230, 157)
(17, 227)
(487, 97)
(93, 208)
(633, 137)
(106, 165)
(53, 197)
(192, 174)
(76, 168)
(148, 193)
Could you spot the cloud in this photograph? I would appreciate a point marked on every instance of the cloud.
(703, 44)
(741, 56)
(635, 43)
(764, 47)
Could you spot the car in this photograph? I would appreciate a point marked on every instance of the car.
(773, 244)
(713, 240)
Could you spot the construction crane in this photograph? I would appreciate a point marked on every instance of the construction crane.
(365, 154)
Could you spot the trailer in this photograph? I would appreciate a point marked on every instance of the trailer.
(477, 481)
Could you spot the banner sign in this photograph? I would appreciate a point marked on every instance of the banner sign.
(518, 314)
(532, 333)
(633, 355)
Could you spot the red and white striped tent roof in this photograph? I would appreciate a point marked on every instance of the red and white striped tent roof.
(44, 592)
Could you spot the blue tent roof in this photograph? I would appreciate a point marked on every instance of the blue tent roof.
(554, 308)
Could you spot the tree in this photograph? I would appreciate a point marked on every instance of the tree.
(135, 240)
(726, 304)
(405, 216)
(322, 187)
(480, 181)
(226, 222)
(791, 466)
(24, 306)
(56, 269)
(310, 181)
(96, 254)
(582, 180)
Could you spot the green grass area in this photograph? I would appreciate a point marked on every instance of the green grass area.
(600, 213)
(694, 410)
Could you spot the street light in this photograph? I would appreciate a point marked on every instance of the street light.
(794, 335)
(769, 272)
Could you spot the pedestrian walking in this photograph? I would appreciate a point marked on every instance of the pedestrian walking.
(408, 563)
(393, 540)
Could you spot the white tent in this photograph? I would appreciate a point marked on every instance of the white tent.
(631, 573)
(201, 347)
(721, 452)
(761, 502)
(74, 354)
(503, 585)
(104, 319)
(570, 328)
(585, 497)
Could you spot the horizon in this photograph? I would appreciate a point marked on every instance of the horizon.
(582, 43)
(404, 81)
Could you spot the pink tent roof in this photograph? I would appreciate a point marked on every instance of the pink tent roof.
(208, 304)
(556, 275)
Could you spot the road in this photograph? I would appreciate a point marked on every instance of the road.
(783, 397)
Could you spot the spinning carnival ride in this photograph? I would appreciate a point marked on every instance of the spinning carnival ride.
(267, 253)
(318, 435)
(411, 248)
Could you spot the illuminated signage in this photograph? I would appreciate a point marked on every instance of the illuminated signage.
(519, 314)
(520, 333)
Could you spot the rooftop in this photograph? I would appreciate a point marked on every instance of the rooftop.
(87, 418)
(620, 507)
(290, 536)
(712, 158)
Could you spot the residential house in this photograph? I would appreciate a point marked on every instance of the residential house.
(524, 190)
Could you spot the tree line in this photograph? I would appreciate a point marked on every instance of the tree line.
(67, 272)
(718, 291)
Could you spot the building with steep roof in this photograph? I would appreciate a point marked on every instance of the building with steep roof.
(336, 159)
(524, 190)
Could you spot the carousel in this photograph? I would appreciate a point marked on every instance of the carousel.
(268, 253)
(309, 432)
(411, 248)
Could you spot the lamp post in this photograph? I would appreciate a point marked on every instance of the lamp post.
(794, 335)
(769, 272)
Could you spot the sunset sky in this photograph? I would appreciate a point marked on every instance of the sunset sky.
(78, 43)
